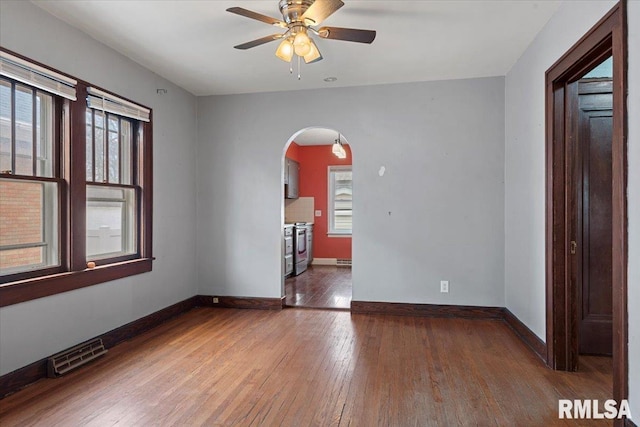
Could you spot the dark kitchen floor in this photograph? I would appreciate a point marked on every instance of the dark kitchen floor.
(321, 286)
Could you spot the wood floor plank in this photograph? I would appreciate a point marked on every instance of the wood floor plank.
(320, 286)
(227, 367)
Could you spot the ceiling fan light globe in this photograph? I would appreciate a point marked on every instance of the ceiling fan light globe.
(285, 50)
(314, 53)
(302, 44)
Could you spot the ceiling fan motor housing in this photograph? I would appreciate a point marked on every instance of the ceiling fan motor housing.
(292, 10)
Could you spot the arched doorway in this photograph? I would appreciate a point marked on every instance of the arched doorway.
(317, 201)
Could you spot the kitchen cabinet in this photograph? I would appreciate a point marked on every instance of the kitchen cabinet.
(291, 178)
(288, 250)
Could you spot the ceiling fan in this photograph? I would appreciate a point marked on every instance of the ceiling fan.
(300, 18)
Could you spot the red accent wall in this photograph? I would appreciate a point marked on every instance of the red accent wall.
(314, 162)
(293, 152)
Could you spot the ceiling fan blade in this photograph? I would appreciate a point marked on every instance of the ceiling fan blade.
(258, 42)
(347, 34)
(321, 10)
(257, 16)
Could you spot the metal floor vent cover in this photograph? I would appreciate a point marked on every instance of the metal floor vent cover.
(340, 262)
(70, 359)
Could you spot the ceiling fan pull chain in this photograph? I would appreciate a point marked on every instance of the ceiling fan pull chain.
(298, 67)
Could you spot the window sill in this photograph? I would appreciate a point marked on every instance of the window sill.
(339, 234)
(39, 287)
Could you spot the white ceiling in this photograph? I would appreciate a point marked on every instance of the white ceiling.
(191, 42)
(318, 136)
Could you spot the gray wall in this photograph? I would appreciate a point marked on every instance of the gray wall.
(524, 159)
(634, 208)
(442, 145)
(525, 179)
(39, 328)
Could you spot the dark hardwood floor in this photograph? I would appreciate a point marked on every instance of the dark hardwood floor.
(230, 367)
(321, 286)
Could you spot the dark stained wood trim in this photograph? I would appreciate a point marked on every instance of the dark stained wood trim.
(146, 323)
(72, 274)
(240, 302)
(526, 335)
(608, 36)
(146, 177)
(76, 177)
(428, 310)
(598, 34)
(620, 221)
(26, 290)
(20, 378)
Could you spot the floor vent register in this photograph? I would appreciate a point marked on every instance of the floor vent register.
(68, 360)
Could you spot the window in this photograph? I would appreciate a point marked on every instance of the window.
(111, 196)
(75, 183)
(340, 200)
(30, 184)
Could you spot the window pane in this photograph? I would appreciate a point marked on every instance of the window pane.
(342, 202)
(24, 131)
(99, 147)
(125, 151)
(89, 144)
(111, 222)
(44, 134)
(114, 150)
(28, 225)
(5, 125)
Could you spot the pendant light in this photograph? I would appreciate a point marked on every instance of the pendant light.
(338, 149)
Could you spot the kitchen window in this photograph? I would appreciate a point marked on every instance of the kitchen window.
(340, 200)
(75, 183)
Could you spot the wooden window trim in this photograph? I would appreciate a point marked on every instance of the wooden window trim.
(70, 145)
(26, 290)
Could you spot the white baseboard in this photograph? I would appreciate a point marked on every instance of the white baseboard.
(332, 261)
(324, 261)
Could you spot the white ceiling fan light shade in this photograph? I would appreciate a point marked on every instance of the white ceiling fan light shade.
(314, 54)
(302, 44)
(285, 50)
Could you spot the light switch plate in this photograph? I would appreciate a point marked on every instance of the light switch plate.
(318, 213)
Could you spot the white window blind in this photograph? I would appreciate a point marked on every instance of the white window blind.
(103, 101)
(340, 200)
(34, 75)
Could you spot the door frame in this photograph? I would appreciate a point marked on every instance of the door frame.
(607, 37)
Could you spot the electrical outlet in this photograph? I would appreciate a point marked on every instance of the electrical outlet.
(318, 213)
(215, 300)
(444, 286)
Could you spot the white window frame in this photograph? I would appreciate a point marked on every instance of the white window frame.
(332, 232)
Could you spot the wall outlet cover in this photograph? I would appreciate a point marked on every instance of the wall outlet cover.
(318, 213)
(444, 286)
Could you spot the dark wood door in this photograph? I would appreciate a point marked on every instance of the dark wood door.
(594, 212)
